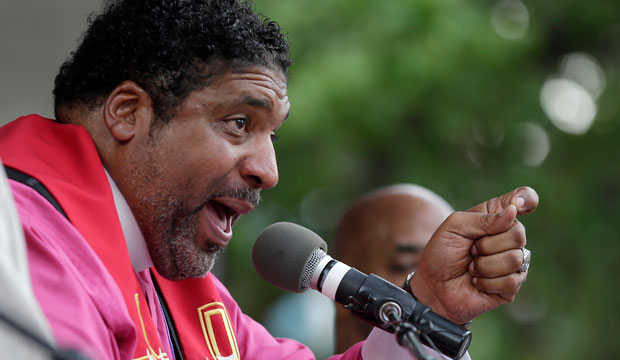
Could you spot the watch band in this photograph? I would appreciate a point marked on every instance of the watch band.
(407, 287)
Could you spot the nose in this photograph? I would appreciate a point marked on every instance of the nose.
(260, 168)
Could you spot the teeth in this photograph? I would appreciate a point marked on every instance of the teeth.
(227, 215)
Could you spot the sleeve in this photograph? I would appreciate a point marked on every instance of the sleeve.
(382, 345)
(80, 300)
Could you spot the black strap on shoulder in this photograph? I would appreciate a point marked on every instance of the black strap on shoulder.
(172, 329)
(28, 180)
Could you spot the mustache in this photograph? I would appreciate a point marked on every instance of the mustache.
(248, 194)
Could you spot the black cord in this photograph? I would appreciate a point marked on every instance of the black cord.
(172, 329)
(55, 354)
(407, 336)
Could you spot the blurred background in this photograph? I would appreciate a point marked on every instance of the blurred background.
(468, 98)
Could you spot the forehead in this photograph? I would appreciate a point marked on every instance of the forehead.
(227, 91)
(257, 77)
(398, 219)
(258, 87)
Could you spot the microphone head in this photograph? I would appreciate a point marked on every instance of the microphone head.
(286, 255)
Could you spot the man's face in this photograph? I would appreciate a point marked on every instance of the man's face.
(189, 181)
(409, 230)
(395, 235)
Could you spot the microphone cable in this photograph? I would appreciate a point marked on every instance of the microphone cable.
(407, 336)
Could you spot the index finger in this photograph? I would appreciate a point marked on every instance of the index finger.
(524, 198)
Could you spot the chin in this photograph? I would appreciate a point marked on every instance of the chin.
(185, 270)
(191, 267)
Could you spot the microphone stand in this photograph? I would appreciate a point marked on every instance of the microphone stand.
(375, 299)
(406, 333)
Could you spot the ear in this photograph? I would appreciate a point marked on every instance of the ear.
(124, 112)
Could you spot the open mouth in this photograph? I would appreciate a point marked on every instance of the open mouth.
(222, 216)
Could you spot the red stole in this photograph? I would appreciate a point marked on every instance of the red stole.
(64, 159)
(193, 314)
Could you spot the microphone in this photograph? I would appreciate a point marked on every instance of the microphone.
(294, 258)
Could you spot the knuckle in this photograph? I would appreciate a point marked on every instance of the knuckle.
(454, 217)
(456, 223)
(515, 258)
(476, 262)
(486, 220)
(481, 246)
(509, 297)
(518, 234)
(453, 220)
(482, 285)
(513, 283)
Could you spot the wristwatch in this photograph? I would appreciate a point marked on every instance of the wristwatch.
(407, 287)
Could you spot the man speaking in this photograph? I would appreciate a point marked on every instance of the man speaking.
(165, 117)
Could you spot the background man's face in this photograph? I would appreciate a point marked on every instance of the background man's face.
(394, 236)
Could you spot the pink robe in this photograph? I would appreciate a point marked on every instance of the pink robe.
(84, 306)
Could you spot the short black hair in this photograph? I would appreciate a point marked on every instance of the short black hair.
(166, 47)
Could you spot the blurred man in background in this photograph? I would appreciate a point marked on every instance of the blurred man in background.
(384, 233)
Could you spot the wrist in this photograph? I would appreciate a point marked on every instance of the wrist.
(423, 293)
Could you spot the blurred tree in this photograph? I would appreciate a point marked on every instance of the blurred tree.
(450, 95)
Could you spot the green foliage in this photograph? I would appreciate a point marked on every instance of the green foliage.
(428, 92)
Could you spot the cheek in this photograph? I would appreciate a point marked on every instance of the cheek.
(210, 160)
(205, 168)
(194, 147)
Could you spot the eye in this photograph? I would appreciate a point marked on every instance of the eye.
(274, 137)
(240, 123)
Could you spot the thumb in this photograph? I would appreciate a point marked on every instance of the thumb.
(524, 198)
(492, 224)
(474, 225)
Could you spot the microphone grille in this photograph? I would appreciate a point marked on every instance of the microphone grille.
(313, 262)
(285, 254)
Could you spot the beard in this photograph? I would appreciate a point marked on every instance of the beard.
(167, 221)
(184, 258)
(168, 213)
(169, 230)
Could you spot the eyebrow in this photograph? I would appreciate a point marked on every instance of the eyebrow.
(407, 248)
(260, 102)
(256, 101)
